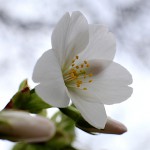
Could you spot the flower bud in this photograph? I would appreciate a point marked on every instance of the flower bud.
(22, 126)
(112, 127)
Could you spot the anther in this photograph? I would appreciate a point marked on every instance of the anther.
(72, 75)
(90, 75)
(78, 85)
(87, 65)
(84, 88)
(82, 65)
(75, 77)
(77, 67)
(79, 82)
(90, 81)
(77, 57)
(85, 61)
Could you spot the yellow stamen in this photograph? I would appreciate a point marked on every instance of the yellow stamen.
(72, 71)
(87, 65)
(85, 61)
(78, 85)
(77, 57)
(75, 77)
(82, 65)
(77, 74)
(72, 75)
(90, 75)
(77, 67)
(79, 82)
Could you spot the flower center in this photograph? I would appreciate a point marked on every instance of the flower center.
(77, 76)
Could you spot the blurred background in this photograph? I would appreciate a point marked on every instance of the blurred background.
(25, 33)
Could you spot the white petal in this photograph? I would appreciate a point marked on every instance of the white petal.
(93, 113)
(47, 68)
(70, 37)
(48, 73)
(54, 93)
(102, 44)
(110, 82)
(59, 36)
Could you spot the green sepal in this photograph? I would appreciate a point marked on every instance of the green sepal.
(80, 122)
(23, 85)
(65, 133)
(84, 125)
(71, 112)
(28, 100)
(40, 146)
(27, 146)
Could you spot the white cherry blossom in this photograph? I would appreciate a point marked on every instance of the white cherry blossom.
(80, 67)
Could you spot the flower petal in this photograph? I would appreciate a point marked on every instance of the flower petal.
(93, 113)
(70, 37)
(110, 82)
(48, 73)
(102, 44)
(47, 68)
(54, 93)
(59, 37)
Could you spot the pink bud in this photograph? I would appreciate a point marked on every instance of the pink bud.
(112, 127)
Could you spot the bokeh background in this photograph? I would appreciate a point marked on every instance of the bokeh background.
(25, 33)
